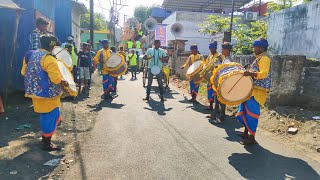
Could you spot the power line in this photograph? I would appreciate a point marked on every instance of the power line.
(99, 6)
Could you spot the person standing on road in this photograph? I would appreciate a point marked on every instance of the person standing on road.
(133, 64)
(43, 85)
(249, 111)
(195, 56)
(41, 29)
(130, 44)
(84, 66)
(102, 57)
(224, 59)
(123, 56)
(156, 56)
(73, 56)
(208, 65)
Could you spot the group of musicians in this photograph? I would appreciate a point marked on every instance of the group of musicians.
(43, 82)
(249, 111)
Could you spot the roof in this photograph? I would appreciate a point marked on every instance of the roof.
(80, 6)
(9, 4)
(202, 5)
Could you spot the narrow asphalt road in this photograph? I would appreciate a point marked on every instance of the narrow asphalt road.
(133, 139)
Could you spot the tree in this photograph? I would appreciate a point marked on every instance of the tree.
(100, 22)
(141, 13)
(275, 6)
(243, 33)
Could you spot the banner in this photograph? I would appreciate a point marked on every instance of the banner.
(161, 34)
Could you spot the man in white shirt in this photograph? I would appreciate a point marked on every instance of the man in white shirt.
(156, 56)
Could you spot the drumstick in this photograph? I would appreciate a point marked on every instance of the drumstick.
(235, 83)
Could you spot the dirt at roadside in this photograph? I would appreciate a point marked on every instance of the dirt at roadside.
(275, 122)
(21, 156)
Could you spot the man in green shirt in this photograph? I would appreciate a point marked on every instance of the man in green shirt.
(138, 44)
(133, 64)
(156, 56)
(130, 44)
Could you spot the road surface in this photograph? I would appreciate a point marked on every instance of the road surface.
(133, 139)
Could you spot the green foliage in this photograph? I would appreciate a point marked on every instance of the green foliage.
(275, 6)
(215, 24)
(141, 13)
(100, 22)
(243, 34)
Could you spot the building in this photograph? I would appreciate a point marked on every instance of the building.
(98, 35)
(67, 18)
(191, 14)
(10, 14)
(190, 22)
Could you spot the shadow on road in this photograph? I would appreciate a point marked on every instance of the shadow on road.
(105, 103)
(33, 159)
(263, 164)
(230, 125)
(158, 107)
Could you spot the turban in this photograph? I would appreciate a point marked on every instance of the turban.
(260, 43)
(104, 41)
(194, 47)
(213, 45)
(226, 45)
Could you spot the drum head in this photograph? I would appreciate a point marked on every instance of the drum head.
(232, 91)
(114, 61)
(64, 55)
(66, 75)
(155, 70)
(194, 67)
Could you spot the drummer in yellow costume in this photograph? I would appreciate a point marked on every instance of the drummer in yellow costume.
(195, 56)
(210, 62)
(249, 111)
(102, 57)
(42, 84)
(225, 58)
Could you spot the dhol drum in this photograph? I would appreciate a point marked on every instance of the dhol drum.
(63, 55)
(71, 89)
(155, 70)
(231, 86)
(116, 65)
(194, 70)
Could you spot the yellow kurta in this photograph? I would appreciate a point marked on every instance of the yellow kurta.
(49, 65)
(260, 95)
(212, 57)
(106, 55)
(192, 58)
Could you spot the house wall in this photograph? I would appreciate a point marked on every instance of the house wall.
(296, 31)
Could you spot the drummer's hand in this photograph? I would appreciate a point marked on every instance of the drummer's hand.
(182, 67)
(64, 83)
(248, 73)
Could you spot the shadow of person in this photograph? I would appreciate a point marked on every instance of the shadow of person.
(105, 103)
(263, 164)
(185, 101)
(158, 107)
(230, 125)
(28, 164)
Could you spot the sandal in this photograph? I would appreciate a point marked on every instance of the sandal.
(248, 142)
(208, 108)
(242, 135)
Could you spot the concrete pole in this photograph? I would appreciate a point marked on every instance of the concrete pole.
(91, 24)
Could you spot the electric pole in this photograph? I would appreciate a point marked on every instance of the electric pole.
(91, 24)
(114, 17)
